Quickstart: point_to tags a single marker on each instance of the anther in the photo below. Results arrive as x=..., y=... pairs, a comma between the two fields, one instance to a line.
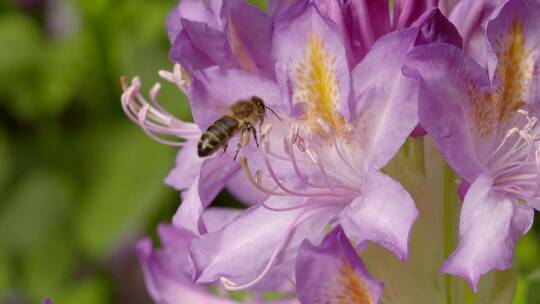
x=294, y=130
x=301, y=144
x=258, y=177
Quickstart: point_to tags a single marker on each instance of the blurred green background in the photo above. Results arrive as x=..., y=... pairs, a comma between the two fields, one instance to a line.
x=79, y=183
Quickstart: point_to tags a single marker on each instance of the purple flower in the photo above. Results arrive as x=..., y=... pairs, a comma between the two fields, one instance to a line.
x=318, y=164
x=333, y=273
x=485, y=124
x=167, y=271
x=47, y=301
x=342, y=116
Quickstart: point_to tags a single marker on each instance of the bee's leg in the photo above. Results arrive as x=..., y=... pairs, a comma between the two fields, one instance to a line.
x=244, y=138
x=224, y=149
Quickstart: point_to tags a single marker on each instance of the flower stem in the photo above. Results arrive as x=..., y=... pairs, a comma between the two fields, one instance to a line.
x=416, y=154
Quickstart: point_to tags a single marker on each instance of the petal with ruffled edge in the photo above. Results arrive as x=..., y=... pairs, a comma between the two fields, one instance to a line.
x=311, y=66
x=513, y=56
x=216, y=217
x=206, y=11
x=489, y=228
x=242, y=249
x=214, y=90
x=188, y=167
x=470, y=17
x=167, y=270
x=250, y=42
x=214, y=174
x=385, y=100
x=199, y=46
x=435, y=27
x=450, y=84
x=384, y=213
x=188, y=215
x=333, y=273
x=406, y=12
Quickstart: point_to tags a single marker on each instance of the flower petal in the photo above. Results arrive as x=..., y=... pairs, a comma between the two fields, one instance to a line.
x=434, y=27
x=250, y=42
x=470, y=17
x=164, y=270
x=406, y=12
x=366, y=21
x=206, y=11
x=384, y=213
x=490, y=226
x=241, y=189
x=333, y=273
x=449, y=83
x=199, y=46
x=534, y=203
x=215, y=218
x=385, y=100
x=188, y=167
x=311, y=65
x=215, y=174
x=188, y=215
x=513, y=57
x=243, y=248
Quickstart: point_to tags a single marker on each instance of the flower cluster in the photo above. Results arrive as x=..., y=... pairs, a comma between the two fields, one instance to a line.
x=344, y=84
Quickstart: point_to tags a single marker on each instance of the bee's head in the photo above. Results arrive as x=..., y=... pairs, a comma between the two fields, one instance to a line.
x=259, y=103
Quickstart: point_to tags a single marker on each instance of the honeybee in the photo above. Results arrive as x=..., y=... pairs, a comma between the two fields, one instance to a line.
x=243, y=116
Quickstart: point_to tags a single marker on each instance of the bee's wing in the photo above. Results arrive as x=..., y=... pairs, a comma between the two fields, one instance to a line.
x=208, y=114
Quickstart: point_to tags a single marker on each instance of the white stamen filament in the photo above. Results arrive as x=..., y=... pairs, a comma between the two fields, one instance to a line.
x=233, y=286
x=516, y=170
x=151, y=116
x=277, y=181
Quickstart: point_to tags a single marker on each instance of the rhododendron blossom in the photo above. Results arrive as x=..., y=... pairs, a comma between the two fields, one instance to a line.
x=344, y=84
x=485, y=123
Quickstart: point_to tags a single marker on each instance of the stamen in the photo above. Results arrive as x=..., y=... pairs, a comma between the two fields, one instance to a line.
x=305, y=205
x=253, y=182
x=279, y=184
x=151, y=117
x=179, y=77
x=341, y=155
x=517, y=170
x=233, y=286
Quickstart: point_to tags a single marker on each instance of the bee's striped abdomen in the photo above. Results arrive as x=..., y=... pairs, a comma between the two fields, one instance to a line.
x=217, y=135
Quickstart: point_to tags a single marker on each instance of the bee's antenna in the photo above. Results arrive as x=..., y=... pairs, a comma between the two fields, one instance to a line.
x=273, y=112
